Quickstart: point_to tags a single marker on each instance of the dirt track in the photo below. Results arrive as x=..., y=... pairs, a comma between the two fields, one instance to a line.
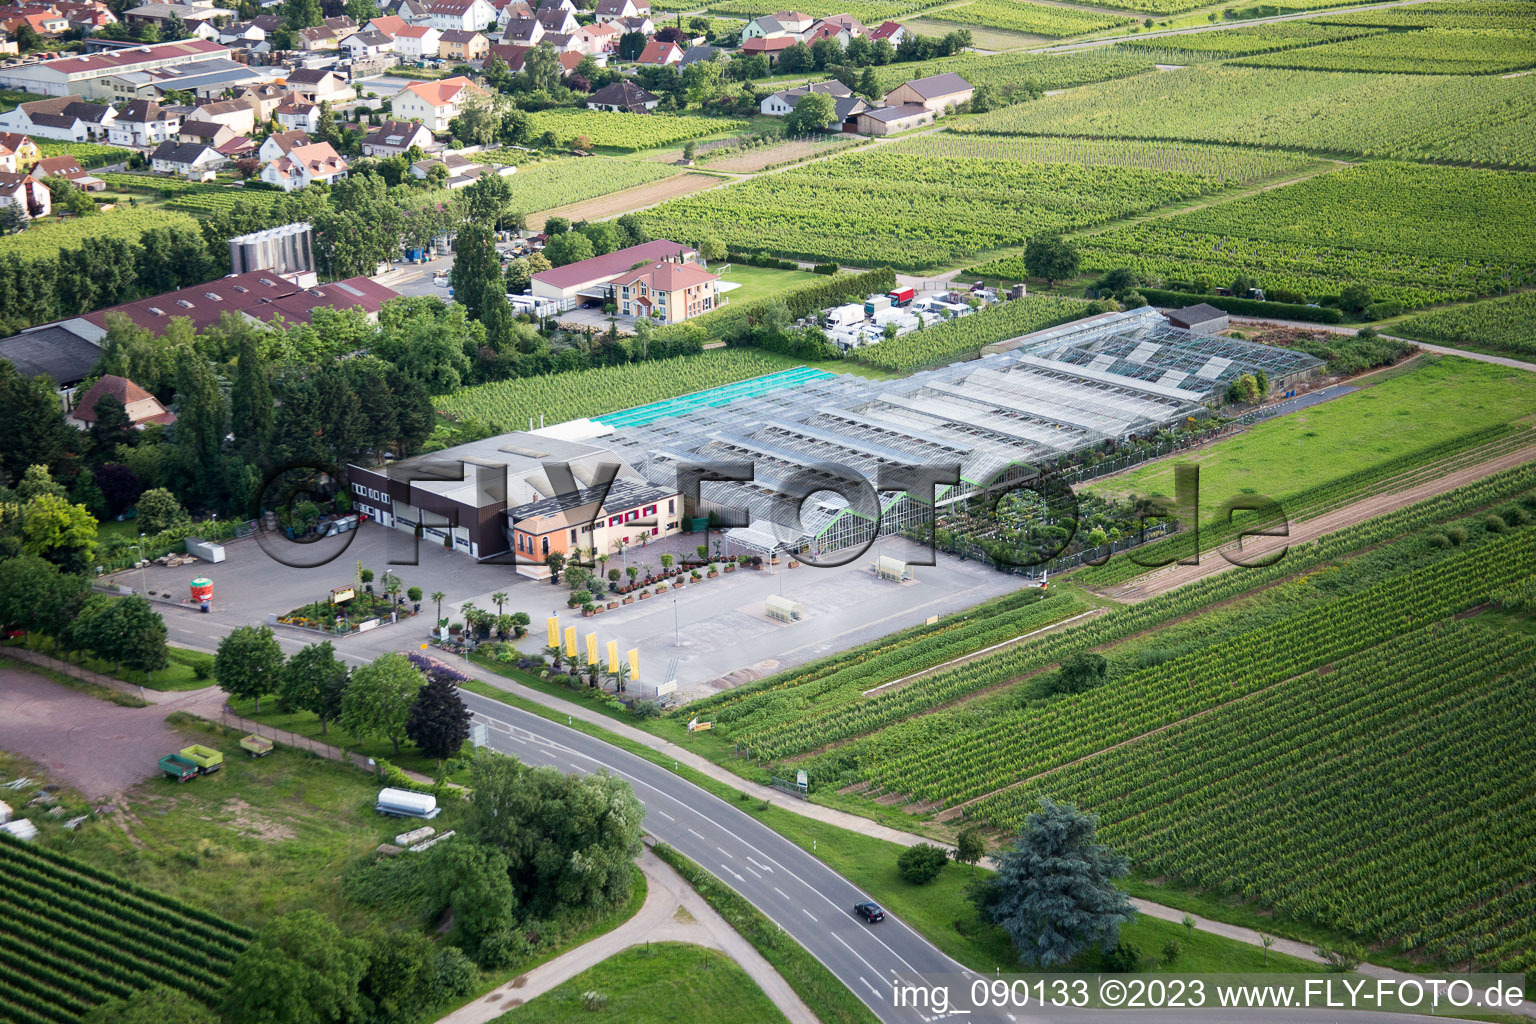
x=629, y=200
x=1163, y=580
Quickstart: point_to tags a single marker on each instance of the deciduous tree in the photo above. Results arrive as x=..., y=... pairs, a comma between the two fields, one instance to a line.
x=314, y=680
x=438, y=722
x=249, y=663
x=299, y=970
x=378, y=700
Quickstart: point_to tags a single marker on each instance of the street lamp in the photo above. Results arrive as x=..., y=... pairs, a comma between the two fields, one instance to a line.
x=676, y=636
x=143, y=584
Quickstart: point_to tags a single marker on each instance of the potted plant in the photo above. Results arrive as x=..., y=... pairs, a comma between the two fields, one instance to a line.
x=693, y=574
x=614, y=575
x=589, y=609
x=520, y=622
x=703, y=550
x=367, y=577
x=578, y=597
x=456, y=629
x=414, y=593
x=666, y=563
x=757, y=562
x=661, y=588
x=630, y=598
x=614, y=604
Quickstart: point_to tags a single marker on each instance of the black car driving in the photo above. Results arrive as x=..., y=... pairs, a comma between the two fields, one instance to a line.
x=870, y=912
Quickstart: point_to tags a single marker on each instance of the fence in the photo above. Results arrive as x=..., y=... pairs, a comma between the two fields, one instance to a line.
x=69, y=668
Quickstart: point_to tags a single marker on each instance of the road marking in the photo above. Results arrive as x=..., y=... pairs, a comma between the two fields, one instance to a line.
x=760, y=867
x=664, y=814
x=734, y=874
x=754, y=874
x=856, y=953
x=697, y=834
x=870, y=987
x=781, y=892
x=808, y=914
x=721, y=849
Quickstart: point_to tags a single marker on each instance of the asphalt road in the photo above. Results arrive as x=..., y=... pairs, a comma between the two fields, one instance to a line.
x=809, y=900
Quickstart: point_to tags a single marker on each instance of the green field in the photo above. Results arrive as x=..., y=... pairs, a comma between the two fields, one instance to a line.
x=1431, y=51
x=656, y=983
x=947, y=209
x=613, y=130
x=1399, y=116
x=1226, y=164
x=1034, y=19
x=1412, y=234
x=763, y=282
x=1045, y=71
x=1252, y=39
x=1494, y=325
x=507, y=405
x=76, y=937
x=1336, y=439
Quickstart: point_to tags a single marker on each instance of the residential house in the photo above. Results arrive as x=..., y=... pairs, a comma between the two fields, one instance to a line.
x=298, y=115
x=828, y=30
x=781, y=103
x=281, y=144
x=434, y=104
x=209, y=133
x=43, y=19
x=393, y=138
x=460, y=170
x=142, y=407
x=201, y=21
x=305, y=165
x=69, y=118
x=506, y=10
x=938, y=93
x=770, y=48
x=556, y=19
x=235, y=113
x=659, y=54
x=666, y=291
x=7, y=159
x=319, y=86
x=341, y=24
x=72, y=75
x=24, y=151
x=891, y=120
x=195, y=161
x=390, y=24
x=557, y=5
x=596, y=40
x=268, y=23
x=238, y=148
x=514, y=56
x=777, y=26
x=611, y=10
x=87, y=18
x=623, y=96
x=242, y=34
x=854, y=26
x=413, y=42
x=701, y=51
x=522, y=32
x=562, y=42
x=640, y=23
x=462, y=45
x=68, y=167
x=317, y=39
x=370, y=42
x=262, y=99
x=415, y=12
x=892, y=32
x=600, y=518
x=21, y=190
x=143, y=123
x=465, y=15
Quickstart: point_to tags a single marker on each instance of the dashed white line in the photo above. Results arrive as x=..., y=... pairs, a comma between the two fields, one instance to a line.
x=781, y=892
x=664, y=814
x=720, y=848
x=808, y=914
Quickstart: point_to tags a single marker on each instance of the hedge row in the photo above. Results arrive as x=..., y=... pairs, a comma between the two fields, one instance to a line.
x=1246, y=307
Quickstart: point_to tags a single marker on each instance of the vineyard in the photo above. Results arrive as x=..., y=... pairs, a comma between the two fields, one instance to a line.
x=1400, y=116
x=75, y=937
x=1226, y=164
x=946, y=210
x=1412, y=234
x=957, y=339
x=870, y=12
x=1431, y=738
x=1013, y=744
x=1507, y=324
x=1252, y=39
x=47, y=240
x=193, y=196
x=614, y=130
x=548, y=185
x=1515, y=14
x=785, y=717
x=508, y=405
x=1426, y=52
x=1035, y=19
x=88, y=154
x=1047, y=71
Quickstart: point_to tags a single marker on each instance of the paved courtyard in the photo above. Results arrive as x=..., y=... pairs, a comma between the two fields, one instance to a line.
x=721, y=637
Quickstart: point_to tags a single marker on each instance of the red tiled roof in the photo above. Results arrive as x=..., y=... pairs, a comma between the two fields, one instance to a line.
x=76, y=63
x=668, y=277
x=250, y=293
x=126, y=392
x=756, y=45
x=440, y=92
x=610, y=265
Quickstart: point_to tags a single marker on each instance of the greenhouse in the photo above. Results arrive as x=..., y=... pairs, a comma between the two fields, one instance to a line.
x=1000, y=419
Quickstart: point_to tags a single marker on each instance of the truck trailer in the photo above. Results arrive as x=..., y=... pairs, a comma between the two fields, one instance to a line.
x=402, y=803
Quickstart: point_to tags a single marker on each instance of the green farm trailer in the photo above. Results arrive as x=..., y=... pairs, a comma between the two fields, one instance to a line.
x=206, y=758
x=178, y=767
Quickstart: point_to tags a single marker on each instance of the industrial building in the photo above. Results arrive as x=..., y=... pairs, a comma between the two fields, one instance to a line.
x=71, y=74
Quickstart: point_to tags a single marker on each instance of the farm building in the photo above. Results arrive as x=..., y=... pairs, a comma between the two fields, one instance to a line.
x=1202, y=318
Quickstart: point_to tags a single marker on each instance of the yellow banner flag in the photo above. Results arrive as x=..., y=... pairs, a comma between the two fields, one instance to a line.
x=613, y=655
x=591, y=648
x=570, y=641
x=554, y=631
x=634, y=664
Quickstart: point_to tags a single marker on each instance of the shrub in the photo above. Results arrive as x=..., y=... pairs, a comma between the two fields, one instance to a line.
x=1123, y=959
x=1341, y=960
x=1494, y=523
x=1457, y=535
x=922, y=863
x=1439, y=540
x=1171, y=951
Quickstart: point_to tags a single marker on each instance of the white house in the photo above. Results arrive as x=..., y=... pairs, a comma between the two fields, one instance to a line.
x=26, y=193
x=892, y=32
x=611, y=10
x=414, y=42
x=434, y=104
x=777, y=26
x=195, y=161
x=298, y=115
x=305, y=165
x=237, y=114
x=318, y=86
x=781, y=103
x=556, y=19
x=370, y=42
x=280, y=145
x=69, y=118
x=143, y=123
x=393, y=138
x=465, y=15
